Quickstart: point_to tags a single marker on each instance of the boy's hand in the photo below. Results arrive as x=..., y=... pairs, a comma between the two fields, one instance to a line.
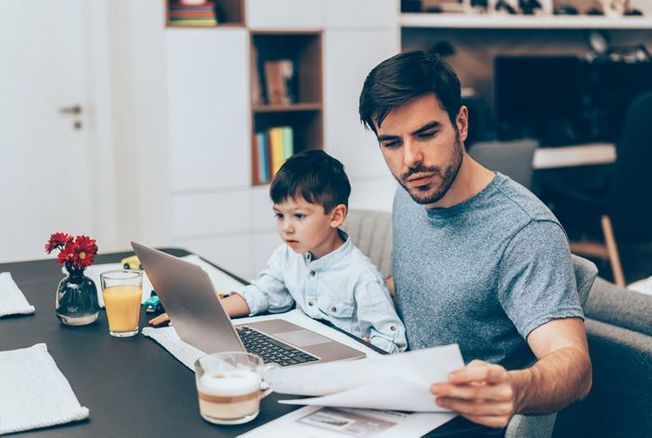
x=159, y=320
x=389, y=281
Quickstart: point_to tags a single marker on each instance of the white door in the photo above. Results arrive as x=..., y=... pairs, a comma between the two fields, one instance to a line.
x=45, y=174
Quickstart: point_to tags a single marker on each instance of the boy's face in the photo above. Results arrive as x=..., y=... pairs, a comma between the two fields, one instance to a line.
x=305, y=227
x=422, y=148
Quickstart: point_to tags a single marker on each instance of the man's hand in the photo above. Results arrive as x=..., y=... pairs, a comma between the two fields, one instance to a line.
x=482, y=392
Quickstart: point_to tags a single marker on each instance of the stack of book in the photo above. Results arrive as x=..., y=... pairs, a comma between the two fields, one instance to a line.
x=271, y=149
x=274, y=83
x=199, y=15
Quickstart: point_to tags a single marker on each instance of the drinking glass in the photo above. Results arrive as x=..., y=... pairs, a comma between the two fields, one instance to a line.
x=122, y=292
x=229, y=387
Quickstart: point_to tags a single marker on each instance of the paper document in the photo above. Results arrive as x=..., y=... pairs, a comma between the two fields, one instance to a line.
x=222, y=282
x=398, y=382
x=318, y=422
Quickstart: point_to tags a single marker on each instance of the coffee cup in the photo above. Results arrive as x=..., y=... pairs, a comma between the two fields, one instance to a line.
x=229, y=387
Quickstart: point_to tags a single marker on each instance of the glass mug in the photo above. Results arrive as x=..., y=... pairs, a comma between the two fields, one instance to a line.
x=122, y=292
x=229, y=387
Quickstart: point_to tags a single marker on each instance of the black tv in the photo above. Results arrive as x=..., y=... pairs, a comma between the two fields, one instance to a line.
x=565, y=100
x=538, y=97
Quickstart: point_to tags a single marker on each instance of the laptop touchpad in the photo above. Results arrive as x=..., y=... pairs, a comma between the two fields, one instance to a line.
x=302, y=338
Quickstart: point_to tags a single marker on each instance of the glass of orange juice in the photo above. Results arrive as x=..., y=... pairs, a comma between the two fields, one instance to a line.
x=122, y=292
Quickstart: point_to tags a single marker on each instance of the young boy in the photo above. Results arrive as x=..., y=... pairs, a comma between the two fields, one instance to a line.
x=317, y=266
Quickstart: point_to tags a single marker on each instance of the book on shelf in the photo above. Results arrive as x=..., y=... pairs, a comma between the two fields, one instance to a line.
x=279, y=81
x=271, y=148
x=200, y=15
x=256, y=87
x=276, y=149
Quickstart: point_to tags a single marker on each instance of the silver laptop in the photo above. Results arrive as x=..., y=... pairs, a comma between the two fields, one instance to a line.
x=193, y=306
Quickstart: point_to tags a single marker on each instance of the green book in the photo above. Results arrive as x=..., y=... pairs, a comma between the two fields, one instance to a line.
x=288, y=142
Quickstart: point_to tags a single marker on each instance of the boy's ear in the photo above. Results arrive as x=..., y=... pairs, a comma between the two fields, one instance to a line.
x=338, y=214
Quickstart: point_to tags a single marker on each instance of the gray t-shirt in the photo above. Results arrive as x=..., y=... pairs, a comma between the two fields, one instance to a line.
x=483, y=273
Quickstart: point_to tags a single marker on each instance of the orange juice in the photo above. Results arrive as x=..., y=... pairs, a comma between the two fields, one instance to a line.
x=122, y=309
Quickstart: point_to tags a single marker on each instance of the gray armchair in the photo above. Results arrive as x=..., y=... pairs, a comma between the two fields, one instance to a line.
x=511, y=158
x=371, y=231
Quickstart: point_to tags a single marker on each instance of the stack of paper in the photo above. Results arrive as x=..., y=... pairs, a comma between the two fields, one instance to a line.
x=400, y=382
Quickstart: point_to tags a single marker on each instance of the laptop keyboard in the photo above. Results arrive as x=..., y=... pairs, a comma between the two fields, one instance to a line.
x=271, y=350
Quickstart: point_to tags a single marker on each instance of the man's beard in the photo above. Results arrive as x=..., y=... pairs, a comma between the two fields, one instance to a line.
x=432, y=194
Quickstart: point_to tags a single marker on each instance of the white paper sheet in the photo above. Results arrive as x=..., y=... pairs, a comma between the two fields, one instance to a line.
x=399, y=382
x=643, y=286
x=222, y=282
x=320, y=422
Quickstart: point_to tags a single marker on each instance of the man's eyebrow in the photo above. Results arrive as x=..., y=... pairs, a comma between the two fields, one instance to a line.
x=388, y=137
x=426, y=127
x=430, y=125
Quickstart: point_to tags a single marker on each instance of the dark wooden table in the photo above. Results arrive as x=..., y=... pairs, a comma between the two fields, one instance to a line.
x=132, y=386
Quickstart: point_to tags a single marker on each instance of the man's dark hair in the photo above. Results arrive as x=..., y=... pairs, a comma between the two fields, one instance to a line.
x=314, y=176
x=403, y=77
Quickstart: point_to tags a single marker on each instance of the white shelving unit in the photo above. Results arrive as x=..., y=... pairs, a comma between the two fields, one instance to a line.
x=469, y=21
x=214, y=210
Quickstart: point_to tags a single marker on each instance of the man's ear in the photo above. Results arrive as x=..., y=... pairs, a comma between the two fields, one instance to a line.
x=462, y=122
x=338, y=214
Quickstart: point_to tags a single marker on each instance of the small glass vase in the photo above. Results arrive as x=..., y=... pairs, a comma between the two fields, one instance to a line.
x=76, y=300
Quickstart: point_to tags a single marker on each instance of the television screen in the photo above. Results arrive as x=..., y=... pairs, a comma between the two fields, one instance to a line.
x=564, y=100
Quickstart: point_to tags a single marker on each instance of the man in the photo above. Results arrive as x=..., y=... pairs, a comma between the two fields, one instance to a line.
x=477, y=259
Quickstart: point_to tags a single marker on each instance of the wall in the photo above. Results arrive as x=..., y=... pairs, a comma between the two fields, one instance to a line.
x=139, y=120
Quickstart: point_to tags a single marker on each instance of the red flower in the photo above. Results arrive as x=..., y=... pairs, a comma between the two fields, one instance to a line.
x=75, y=253
x=57, y=240
x=65, y=254
x=83, y=251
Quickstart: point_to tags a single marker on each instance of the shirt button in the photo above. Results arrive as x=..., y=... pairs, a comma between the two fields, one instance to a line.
x=311, y=303
x=392, y=328
x=333, y=309
x=312, y=273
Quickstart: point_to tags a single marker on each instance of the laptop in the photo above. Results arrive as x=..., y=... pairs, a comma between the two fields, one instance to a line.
x=199, y=319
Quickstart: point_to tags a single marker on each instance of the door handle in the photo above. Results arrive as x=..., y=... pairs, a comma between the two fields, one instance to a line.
x=73, y=110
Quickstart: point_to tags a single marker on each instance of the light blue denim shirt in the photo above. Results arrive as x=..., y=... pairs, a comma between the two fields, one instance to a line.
x=343, y=287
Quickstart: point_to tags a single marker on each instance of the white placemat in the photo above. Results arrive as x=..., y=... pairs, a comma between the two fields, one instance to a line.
x=222, y=282
x=33, y=392
x=187, y=354
x=12, y=300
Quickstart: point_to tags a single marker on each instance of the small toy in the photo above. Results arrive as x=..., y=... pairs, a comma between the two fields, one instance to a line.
x=131, y=263
x=153, y=304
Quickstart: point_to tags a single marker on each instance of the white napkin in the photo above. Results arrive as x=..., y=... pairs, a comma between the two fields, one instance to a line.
x=222, y=282
x=187, y=354
x=12, y=300
x=168, y=338
x=33, y=392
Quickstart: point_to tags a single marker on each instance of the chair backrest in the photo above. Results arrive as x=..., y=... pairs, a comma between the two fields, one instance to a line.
x=513, y=158
x=371, y=231
x=629, y=198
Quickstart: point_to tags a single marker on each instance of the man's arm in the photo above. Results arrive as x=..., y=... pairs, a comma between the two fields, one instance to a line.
x=488, y=394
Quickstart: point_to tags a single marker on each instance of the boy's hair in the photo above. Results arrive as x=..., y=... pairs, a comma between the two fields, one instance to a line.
x=403, y=77
x=314, y=176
